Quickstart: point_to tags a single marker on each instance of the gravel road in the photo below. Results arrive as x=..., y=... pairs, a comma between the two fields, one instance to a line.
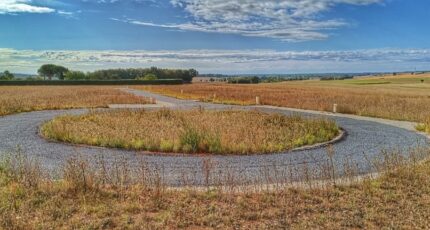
x=365, y=140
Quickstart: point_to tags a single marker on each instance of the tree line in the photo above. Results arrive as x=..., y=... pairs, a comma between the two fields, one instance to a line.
x=50, y=71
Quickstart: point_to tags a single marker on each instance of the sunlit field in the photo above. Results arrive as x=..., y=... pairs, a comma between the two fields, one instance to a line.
x=16, y=99
x=198, y=131
x=90, y=197
x=403, y=97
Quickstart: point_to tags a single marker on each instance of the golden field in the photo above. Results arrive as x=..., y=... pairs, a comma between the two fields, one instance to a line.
x=197, y=131
x=402, y=97
x=16, y=99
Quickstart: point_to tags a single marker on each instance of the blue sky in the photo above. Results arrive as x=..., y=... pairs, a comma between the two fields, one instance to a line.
x=217, y=36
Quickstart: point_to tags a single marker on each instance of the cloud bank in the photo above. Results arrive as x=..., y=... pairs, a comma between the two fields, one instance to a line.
x=22, y=6
x=286, y=20
x=223, y=61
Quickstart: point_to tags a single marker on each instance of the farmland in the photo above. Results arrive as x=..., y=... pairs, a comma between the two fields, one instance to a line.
x=16, y=99
x=402, y=97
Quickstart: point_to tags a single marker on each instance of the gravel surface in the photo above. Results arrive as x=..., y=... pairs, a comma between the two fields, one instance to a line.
x=365, y=139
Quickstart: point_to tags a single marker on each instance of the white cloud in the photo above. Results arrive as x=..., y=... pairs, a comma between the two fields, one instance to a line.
x=224, y=61
x=286, y=20
x=22, y=6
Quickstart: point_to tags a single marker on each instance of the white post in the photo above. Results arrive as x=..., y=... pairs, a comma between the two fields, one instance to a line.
x=257, y=100
x=334, y=108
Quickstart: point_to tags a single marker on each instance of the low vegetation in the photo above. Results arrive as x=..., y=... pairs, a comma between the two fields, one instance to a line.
x=93, y=198
x=425, y=126
x=198, y=131
x=402, y=98
x=16, y=99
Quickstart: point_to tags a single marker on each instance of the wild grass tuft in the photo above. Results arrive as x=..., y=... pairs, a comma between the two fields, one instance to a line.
x=425, y=126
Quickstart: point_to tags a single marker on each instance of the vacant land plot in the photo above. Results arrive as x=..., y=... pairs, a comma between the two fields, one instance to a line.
x=399, y=97
x=16, y=99
x=198, y=131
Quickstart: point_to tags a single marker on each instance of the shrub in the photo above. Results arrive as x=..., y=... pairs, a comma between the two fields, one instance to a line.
x=190, y=140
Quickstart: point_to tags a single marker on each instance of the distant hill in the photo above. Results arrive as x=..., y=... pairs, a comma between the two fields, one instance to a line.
x=23, y=75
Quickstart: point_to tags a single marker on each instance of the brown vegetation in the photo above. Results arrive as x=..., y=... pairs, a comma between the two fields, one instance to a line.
x=91, y=199
x=16, y=99
x=392, y=98
x=197, y=131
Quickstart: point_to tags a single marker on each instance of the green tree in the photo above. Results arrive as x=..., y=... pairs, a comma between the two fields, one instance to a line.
x=75, y=75
x=7, y=76
x=50, y=71
x=60, y=71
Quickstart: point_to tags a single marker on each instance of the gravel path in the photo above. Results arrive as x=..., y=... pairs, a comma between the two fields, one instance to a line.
x=366, y=138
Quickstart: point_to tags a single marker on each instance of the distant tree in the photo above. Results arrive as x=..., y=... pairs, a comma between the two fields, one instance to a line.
x=6, y=75
x=50, y=71
x=60, y=71
x=113, y=74
x=75, y=75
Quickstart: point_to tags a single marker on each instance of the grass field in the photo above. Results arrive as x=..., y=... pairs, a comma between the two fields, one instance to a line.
x=109, y=197
x=394, y=97
x=16, y=99
x=198, y=131
x=85, y=199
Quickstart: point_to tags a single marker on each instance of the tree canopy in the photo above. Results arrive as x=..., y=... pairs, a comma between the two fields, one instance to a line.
x=115, y=74
x=75, y=75
x=50, y=71
x=153, y=73
x=6, y=75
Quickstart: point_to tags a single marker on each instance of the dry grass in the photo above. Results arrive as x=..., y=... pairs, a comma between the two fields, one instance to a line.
x=197, y=131
x=424, y=126
x=399, y=98
x=16, y=99
x=397, y=200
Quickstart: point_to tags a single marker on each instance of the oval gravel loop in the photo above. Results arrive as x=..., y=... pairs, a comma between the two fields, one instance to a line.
x=365, y=140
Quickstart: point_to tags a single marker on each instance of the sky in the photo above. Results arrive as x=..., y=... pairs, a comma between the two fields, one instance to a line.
x=217, y=36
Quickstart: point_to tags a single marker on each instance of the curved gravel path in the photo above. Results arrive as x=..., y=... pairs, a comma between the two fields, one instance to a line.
x=366, y=138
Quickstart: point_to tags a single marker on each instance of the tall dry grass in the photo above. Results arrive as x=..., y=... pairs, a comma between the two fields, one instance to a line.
x=16, y=99
x=105, y=195
x=399, y=102
x=196, y=131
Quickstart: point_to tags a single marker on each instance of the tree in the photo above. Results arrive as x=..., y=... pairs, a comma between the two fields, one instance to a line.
x=50, y=70
x=60, y=71
x=7, y=76
x=75, y=75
